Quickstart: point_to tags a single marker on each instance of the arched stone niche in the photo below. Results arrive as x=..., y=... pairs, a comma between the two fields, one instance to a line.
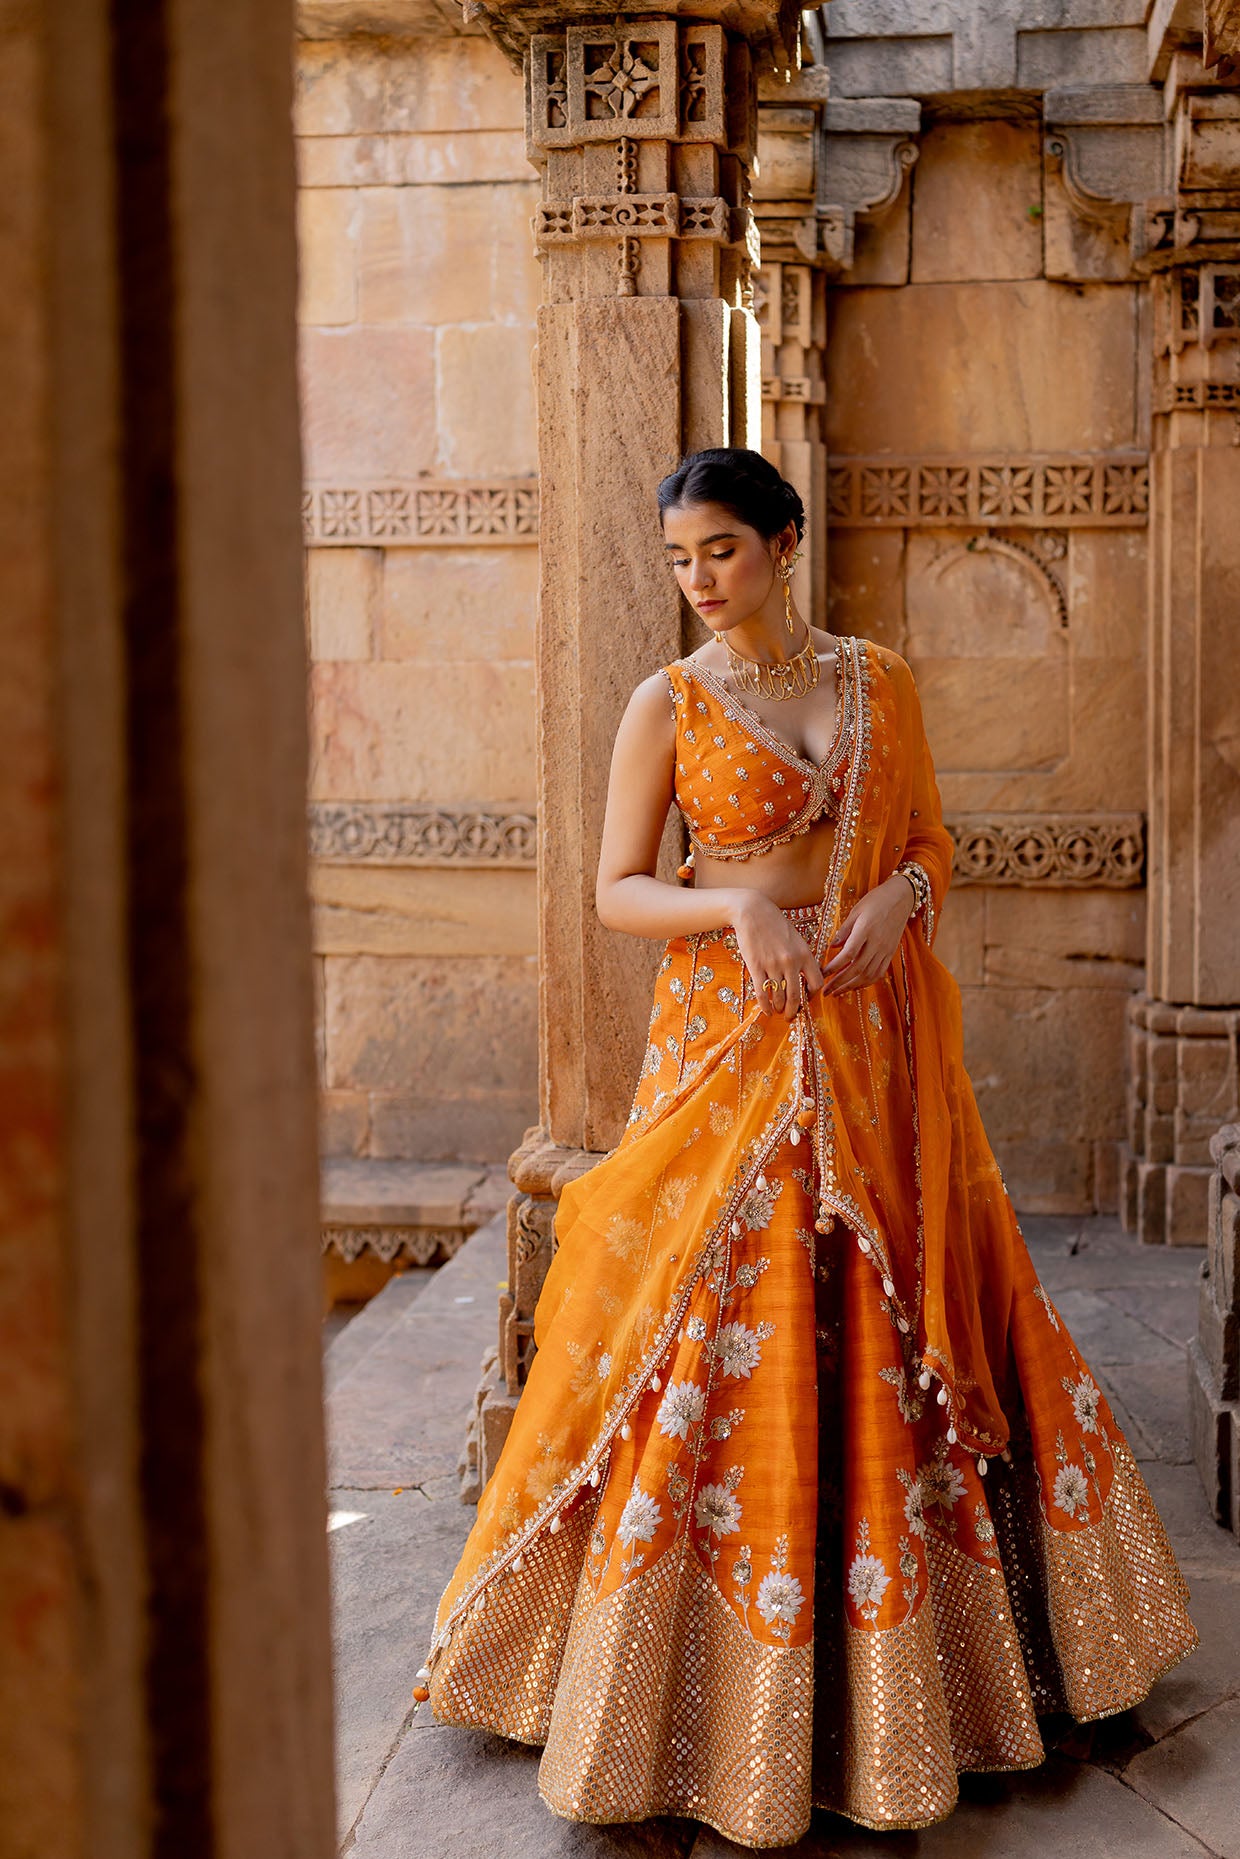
x=987, y=637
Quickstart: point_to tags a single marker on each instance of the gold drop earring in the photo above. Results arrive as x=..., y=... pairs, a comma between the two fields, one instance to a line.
x=785, y=571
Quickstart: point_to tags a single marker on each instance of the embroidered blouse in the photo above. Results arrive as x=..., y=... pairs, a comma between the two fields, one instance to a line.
x=740, y=788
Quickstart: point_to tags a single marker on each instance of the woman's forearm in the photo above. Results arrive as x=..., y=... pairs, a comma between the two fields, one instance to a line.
x=643, y=906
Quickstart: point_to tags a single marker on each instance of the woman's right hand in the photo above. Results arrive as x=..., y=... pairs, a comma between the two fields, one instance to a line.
x=773, y=951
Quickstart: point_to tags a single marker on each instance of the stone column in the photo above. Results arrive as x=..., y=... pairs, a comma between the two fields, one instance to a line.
x=823, y=169
x=790, y=301
x=165, y=1680
x=1183, y=1079
x=643, y=132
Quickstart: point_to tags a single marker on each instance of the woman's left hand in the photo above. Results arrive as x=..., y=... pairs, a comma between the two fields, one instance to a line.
x=867, y=939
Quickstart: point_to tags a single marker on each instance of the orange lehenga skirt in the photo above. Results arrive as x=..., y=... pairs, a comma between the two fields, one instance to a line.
x=767, y=1533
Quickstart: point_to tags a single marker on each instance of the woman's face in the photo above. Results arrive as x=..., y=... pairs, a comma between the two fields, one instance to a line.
x=724, y=567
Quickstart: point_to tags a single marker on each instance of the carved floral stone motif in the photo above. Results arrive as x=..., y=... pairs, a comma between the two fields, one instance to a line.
x=422, y=513
x=1094, y=491
x=400, y=834
x=1105, y=852
x=647, y=79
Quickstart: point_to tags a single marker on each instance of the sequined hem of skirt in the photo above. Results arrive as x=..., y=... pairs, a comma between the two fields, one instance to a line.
x=996, y=1768
x=898, y=1826
x=942, y=1683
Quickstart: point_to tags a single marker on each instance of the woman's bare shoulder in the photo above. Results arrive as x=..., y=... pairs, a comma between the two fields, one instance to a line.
x=651, y=709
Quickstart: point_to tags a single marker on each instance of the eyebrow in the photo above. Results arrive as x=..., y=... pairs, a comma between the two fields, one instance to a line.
x=723, y=535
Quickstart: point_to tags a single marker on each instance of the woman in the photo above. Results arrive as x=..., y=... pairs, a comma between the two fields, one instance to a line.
x=810, y=1498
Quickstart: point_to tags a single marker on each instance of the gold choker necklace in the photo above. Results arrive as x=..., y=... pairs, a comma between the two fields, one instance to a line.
x=794, y=678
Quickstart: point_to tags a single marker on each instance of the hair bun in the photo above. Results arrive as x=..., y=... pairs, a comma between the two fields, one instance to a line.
x=743, y=482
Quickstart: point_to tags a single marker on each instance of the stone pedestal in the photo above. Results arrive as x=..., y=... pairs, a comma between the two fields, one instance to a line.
x=1182, y=1080
x=1214, y=1355
x=642, y=130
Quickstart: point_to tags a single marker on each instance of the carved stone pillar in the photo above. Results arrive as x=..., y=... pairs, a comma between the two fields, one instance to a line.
x=790, y=302
x=1183, y=1078
x=821, y=169
x=643, y=132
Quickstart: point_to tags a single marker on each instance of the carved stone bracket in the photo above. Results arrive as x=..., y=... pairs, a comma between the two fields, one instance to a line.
x=419, y=1245
x=1111, y=215
x=1200, y=222
x=867, y=147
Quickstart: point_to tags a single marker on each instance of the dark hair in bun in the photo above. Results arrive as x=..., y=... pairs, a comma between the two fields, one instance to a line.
x=741, y=481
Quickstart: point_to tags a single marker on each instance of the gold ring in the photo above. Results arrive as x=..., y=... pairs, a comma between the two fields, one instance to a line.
x=768, y=987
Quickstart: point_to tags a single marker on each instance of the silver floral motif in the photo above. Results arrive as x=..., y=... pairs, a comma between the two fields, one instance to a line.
x=868, y=1581
x=1086, y=1397
x=640, y=1518
x=779, y=1597
x=758, y=1207
x=736, y=1349
x=1071, y=1490
x=717, y=1510
x=983, y=1528
x=681, y=1408
x=941, y=1483
x=914, y=1502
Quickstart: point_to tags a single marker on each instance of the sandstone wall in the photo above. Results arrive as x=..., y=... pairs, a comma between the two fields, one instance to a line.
x=987, y=423
x=418, y=294
x=963, y=383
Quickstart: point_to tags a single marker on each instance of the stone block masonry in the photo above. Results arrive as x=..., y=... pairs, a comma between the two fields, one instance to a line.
x=420, y=516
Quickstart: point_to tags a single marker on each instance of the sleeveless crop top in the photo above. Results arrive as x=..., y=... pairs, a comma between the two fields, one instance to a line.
x=740, y=788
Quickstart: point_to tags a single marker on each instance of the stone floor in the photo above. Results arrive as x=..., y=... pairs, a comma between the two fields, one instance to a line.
x=1157, y=1782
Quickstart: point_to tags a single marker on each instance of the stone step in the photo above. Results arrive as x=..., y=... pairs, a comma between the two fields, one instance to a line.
x=417, y=1213
x=353, y=1342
